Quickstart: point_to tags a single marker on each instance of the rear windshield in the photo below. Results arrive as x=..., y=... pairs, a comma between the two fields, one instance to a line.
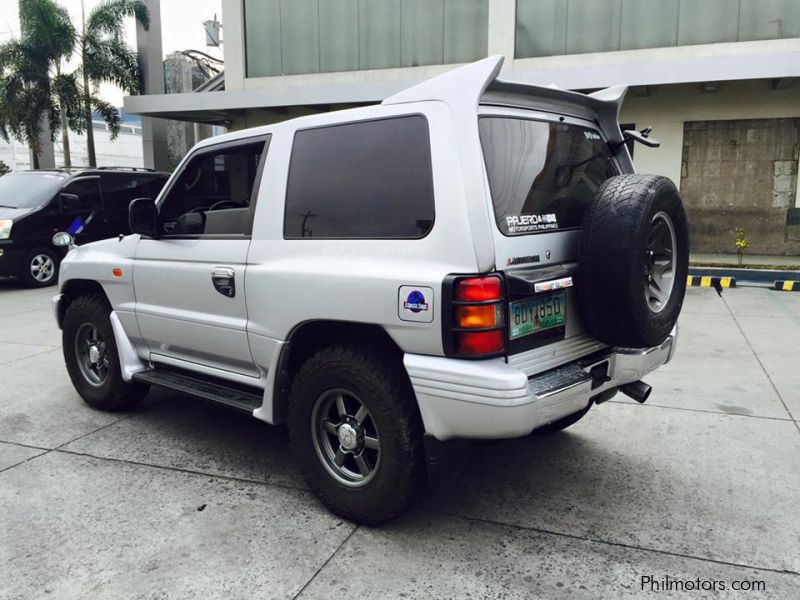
x=542, y=175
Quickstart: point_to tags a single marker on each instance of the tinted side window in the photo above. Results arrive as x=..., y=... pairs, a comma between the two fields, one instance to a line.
x=119, y=190
x=213, y=191
x=88, y=192
x=361, y=180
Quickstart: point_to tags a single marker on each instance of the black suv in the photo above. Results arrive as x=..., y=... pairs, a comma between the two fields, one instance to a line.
x=90, y=204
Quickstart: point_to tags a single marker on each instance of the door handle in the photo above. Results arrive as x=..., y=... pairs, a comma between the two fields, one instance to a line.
x=224, y=279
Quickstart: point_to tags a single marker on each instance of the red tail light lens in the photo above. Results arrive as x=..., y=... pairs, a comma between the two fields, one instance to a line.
x=477, y=323
x=478, y=289
x=480, y=342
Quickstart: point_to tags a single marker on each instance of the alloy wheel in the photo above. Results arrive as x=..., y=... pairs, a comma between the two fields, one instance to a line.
x=345, y=437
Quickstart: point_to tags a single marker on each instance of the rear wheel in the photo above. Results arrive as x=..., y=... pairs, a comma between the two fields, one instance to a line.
x=40, y=268
x=356, y=430
x=90, y=353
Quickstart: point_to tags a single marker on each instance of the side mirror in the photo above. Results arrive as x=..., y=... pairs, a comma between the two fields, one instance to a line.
x=62, y=238
x=70, y=203
x=143, y=218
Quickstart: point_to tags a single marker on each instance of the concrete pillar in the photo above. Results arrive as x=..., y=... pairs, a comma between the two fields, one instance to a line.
x=502, y=30
x=154, y=131
x=178, y=77
x=233, y=36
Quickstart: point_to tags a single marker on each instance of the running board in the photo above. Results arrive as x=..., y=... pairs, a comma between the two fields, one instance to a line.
x=237, y=397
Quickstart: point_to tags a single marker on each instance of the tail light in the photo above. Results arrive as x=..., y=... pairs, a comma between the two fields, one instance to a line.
x=476, y=324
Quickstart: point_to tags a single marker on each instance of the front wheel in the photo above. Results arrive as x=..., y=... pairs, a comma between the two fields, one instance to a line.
x=90, y=353
x=40, y=268
x=356, y=430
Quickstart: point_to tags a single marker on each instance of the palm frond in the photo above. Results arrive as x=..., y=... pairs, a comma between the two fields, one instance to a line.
x=114, y=62
x=110, y=115
x=108, y=18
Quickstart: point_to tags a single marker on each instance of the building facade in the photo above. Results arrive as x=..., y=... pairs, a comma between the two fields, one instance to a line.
x=717, y=80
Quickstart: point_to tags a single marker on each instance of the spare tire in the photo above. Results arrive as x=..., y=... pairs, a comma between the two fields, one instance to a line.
x=632, y=261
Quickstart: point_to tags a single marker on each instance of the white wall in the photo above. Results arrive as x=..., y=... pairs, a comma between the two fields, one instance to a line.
x=667, y=108
x=125, y=151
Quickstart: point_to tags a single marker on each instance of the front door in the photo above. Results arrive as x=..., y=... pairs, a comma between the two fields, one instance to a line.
x=190, y=283
x=81, y=209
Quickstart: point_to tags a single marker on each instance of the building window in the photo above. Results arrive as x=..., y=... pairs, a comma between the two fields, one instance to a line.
x=370, y=179
x=285, y=37
x=554, y=27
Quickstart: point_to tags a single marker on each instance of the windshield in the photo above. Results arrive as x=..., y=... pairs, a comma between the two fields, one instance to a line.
x=542, y=175
x=28, y=190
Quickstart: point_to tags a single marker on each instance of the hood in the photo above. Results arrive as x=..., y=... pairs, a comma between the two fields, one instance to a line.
x=15, y=214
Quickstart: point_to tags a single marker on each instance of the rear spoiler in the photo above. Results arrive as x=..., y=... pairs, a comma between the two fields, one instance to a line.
x=465, y=88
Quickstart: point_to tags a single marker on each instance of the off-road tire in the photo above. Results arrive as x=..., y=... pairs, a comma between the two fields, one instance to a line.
x=113, y=394
x=382, y=385
x=25, y=274
x=612, y=261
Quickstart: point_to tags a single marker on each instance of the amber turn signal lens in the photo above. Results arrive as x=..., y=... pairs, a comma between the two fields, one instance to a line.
x=117, y=272
x=479, y=316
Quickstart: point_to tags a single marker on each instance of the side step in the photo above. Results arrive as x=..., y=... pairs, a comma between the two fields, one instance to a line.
x=558, y=379
x=239, y=397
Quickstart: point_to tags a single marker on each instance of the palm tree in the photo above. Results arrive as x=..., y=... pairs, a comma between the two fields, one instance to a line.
x=105, y=57
x=33, y=91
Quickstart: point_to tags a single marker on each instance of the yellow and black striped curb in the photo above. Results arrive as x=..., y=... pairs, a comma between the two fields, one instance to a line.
x=708, y=281
x=787, y=286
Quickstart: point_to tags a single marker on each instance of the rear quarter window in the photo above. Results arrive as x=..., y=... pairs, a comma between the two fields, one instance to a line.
x=363, y=180
x=542, y=175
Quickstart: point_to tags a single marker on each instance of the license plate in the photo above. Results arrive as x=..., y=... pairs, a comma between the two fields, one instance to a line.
x=537, y=314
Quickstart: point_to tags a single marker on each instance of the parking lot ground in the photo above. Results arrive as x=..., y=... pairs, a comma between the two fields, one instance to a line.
x=179, y=499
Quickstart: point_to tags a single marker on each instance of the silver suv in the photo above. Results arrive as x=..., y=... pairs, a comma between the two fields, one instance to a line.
x=470, y=259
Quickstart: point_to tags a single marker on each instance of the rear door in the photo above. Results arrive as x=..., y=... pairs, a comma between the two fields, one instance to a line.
x=543, y=171
x=190, y=283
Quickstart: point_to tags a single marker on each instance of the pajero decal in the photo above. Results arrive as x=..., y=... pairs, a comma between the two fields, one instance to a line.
x=529, y=223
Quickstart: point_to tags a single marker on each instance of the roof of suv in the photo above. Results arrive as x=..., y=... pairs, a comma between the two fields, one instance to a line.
x=91, y=170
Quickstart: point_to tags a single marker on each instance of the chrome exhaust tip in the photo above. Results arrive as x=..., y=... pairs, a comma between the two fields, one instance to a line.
x=638, y=390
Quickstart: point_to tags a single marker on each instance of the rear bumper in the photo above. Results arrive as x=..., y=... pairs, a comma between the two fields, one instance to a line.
x=493, y=400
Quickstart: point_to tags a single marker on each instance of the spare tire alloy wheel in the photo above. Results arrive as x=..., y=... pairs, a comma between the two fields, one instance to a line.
x=660, y=262
x=633, y=260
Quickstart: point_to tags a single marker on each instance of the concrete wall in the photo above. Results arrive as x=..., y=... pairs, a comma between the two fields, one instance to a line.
x=671, y=110
x=740, y=174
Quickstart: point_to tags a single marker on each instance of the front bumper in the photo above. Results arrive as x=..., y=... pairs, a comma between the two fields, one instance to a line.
x=491, y=399
x=12, y=257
